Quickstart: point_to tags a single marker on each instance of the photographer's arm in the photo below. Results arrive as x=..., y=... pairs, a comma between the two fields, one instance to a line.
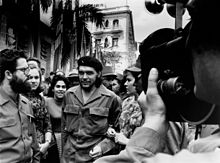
x=148, y=139
x=154, y=127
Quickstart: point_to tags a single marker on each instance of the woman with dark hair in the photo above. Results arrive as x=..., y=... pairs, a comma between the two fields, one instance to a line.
x=42, y=117
x=56, y=92
x=131, y=114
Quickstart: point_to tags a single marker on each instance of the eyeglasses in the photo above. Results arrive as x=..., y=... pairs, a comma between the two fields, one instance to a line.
x=25, y=70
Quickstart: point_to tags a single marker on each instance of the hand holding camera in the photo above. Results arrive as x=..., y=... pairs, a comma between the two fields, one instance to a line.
x=152, y=105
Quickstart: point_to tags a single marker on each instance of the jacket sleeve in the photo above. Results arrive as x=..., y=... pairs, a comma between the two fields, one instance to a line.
x=108, y=144
x=63, y=124
x=35, y=147
x=47, y=121
x=114, y=113
x=144, y=143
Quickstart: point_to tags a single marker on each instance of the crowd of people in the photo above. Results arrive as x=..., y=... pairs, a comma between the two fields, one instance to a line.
x=97, y=115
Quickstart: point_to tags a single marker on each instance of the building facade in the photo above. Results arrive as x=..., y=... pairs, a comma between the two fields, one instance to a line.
x=114, y=42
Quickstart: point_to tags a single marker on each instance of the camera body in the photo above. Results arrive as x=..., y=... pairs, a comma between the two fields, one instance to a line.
x=166, y=52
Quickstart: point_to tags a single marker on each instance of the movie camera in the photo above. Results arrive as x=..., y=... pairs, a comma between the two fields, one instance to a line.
x=165, y=50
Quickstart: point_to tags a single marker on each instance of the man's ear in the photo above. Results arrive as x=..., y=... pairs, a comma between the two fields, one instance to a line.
x=8, y=75
x=100, y=74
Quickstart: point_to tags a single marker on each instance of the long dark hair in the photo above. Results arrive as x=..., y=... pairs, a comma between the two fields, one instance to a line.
x=137, y=82
x=54, y=81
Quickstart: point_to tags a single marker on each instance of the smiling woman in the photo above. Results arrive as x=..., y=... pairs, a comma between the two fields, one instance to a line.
x=54, y=102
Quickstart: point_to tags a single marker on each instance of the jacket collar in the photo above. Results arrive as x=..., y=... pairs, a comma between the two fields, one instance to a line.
x=3, y=96
x=100, y=91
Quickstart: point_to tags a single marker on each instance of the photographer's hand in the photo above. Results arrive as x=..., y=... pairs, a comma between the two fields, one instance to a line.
x=153, y=107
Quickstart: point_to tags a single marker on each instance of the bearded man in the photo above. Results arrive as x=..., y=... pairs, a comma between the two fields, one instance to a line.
x=17, y=130
x=90, y=114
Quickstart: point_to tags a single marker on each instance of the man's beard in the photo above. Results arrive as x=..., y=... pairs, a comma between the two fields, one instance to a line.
x=19, y=86
x=88, y=89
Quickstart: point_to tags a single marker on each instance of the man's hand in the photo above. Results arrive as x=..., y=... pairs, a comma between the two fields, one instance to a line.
x=44, y=147
x=95, y=152
x=153, y=107
x=121, y=138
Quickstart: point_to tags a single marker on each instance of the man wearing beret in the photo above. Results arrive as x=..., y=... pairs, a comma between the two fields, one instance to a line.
x=89, y=115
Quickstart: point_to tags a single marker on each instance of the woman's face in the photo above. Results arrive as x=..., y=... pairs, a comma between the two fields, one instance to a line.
x=59, y=89
x=34, y=78
x=129, y=83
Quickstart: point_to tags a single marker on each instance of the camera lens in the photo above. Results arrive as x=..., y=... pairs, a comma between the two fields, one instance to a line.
x=173, y=86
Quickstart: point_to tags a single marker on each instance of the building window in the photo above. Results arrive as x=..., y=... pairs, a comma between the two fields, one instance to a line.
x=106, y=44
x=97, y=41
x=106, y=24
x=115, y=23
x=114, y=41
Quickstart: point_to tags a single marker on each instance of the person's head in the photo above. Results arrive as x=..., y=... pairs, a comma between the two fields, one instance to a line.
x=132, y=76
x=116, y=84
x=90, y=71
x=73, y=77
x=52, y=74
x=108, y=76
x=14, y=70
x=34, y=62
x=42, y=71
x=203, y=44
x=59, y=72
x=35, y=80
x=58, y=87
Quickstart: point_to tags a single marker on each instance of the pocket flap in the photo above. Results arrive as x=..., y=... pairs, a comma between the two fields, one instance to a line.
x=72, y=109
x=7, y=122
x=101, y=111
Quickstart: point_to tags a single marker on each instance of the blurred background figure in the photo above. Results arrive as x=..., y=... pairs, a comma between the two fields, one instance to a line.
x=54, y=102
x=108, y=76
x=42, y=117
x=43, y=74
x=49, y=78
x=117, y=86
x=73, y=77
x=47, y=82
x=34, y=62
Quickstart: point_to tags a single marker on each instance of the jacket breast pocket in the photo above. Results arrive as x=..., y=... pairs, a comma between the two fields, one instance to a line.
x=8, y=129
x=99, y=119
x=71, y=113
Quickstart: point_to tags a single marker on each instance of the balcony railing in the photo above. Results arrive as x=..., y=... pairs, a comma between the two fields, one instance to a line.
x=115, y=29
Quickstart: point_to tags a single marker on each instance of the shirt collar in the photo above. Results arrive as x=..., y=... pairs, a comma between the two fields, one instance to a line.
x=101, y=90
x=3, y=96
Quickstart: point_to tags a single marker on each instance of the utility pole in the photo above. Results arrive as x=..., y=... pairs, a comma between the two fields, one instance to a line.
x=179, y=13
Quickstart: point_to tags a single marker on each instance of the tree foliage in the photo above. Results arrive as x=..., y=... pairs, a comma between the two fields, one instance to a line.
x=75, y=27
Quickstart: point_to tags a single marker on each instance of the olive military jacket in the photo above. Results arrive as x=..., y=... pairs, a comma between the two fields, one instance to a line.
x=84, y=125
x=17, y=131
